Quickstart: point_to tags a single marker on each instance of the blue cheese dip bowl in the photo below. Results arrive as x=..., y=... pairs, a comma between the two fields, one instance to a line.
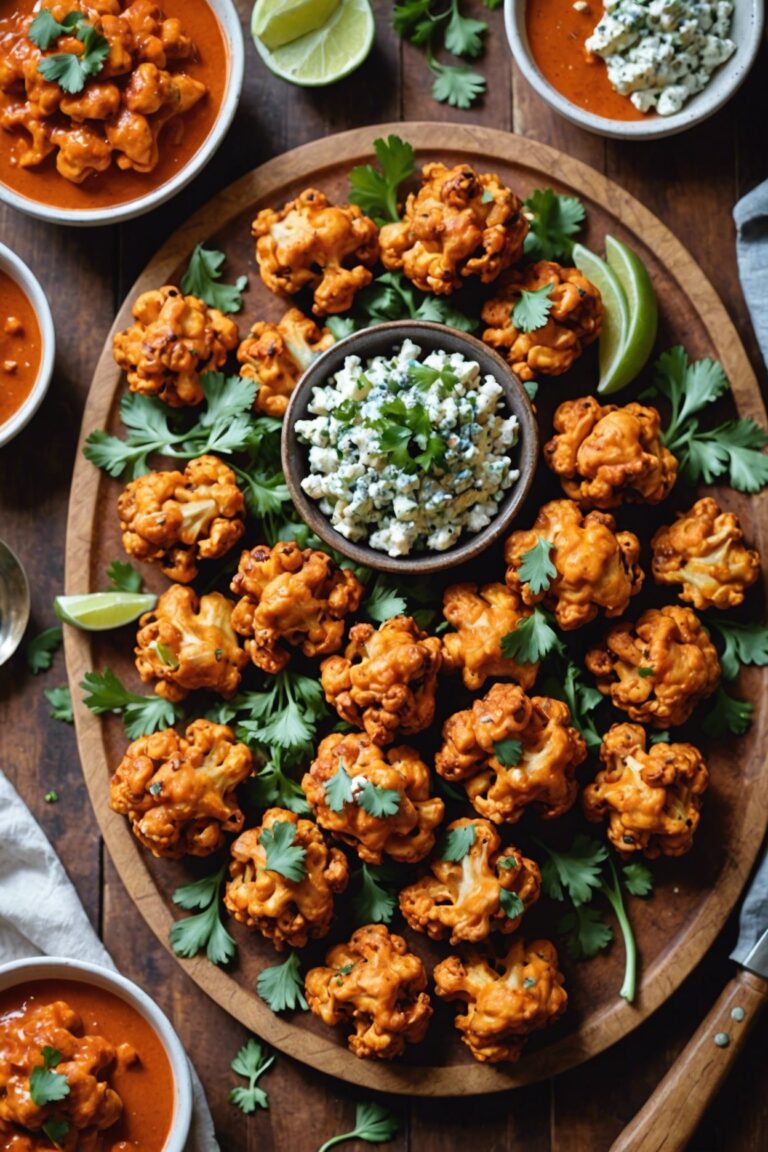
x=408, y=438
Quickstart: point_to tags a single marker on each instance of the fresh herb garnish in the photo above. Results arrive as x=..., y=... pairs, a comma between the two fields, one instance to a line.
x=373, y=1123
x=60, y=700
x=536, y=569
x=553, y=222
x=56, y=1130
x=202, y=279
x=204, y=931
x=511, y=904
x=582, y=699
x=142, y=715
x=123, y=577
x=251, y=1062
x=744, y=644
x=383, y=601
x=285, y=714
x=376, y=191
x=45, y=28
x=508, y=752
x=338, y=789
x=51, y=797
x=392, y=297
x=431, y=24
x=281, y=986
x=40, y=650
x=532, y=639
x=45, y=1085
x=375, y=901
x=68, y=69
x=406, y=435
x=456, y=843
x=727, y=716
x=532, y=309
x=283, y=856
x=273, y=787
x=378, y=802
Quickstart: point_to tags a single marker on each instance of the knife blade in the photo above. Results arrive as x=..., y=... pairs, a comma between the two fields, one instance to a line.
x=751, y=949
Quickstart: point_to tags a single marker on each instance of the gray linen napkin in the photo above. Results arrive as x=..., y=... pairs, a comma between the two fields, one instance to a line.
x=41, y=914
x=751, y=216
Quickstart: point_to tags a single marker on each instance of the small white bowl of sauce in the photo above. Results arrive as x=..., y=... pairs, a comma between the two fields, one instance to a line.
x=27, y=344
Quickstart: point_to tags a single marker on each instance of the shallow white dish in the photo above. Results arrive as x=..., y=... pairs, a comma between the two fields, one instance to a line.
x=20, y=273
x=746, y=32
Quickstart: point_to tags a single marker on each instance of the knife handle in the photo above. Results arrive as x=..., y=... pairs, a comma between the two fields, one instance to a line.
x=669, y=1118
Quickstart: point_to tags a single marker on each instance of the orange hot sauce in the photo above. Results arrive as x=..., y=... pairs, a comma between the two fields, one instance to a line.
x=20, y=347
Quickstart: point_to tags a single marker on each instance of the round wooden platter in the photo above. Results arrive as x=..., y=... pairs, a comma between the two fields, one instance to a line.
x=693, y=895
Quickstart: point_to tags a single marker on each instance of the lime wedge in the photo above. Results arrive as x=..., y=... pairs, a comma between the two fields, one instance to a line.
x=98, y=611
x=615, y=318
x=328, y=53
x=643, y=308
x=278, y=22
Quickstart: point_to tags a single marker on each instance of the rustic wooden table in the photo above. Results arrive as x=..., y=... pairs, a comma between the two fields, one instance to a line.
x=691, y=182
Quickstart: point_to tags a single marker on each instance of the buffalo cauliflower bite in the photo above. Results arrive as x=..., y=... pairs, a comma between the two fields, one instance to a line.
x=386, y=680
x=177, y=518
x=174, y=340
x=703, y=552
x=482, y=617
x=573, y=322
x=459, y=224
x=291, y=598
x=596, y=567
x=466, y=898
x=179, y=791
x=606, y=456
x=652, y=799
x=275, y=355
x=658, y=669
x=310, y=242
x=407, y=832
x=377, y=985
x=187, y=642
x=501, y=781
x=507, y=998
x=283, y=910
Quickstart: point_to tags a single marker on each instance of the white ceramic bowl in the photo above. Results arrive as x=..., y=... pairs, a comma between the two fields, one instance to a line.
x=232, y=32
x=23, y=972
x=18, y=271
x=746, y=32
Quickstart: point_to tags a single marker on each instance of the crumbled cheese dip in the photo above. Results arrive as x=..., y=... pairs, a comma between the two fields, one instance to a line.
x=409, y=453
x=660, y=52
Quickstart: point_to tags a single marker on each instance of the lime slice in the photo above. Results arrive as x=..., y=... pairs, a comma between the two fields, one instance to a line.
x=98, y=611
x=278, y=22
x=613, y=335
x=328, y=53
x=643, y=308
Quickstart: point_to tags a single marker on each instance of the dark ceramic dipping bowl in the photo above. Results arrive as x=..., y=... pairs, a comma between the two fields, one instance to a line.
x=382, y=340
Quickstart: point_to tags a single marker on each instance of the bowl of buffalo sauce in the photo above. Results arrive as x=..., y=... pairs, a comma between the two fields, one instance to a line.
x=27, y=344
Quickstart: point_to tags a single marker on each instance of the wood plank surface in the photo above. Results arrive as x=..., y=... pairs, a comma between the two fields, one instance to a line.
x=691, y=182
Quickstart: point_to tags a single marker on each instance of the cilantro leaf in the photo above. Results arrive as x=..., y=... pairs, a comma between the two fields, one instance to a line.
x=392, y=297
x=532, y=309
x=45, y=1085
x=283, y=856
x=202, y=276
x=60, y=701
x=142, y=715
x=744, y=644
x=456, y=843
x=727, y=715
x=44, y=29
x=376, y=191
x=383, y=601
x=536, y=569
x=581, y=699
x=375, y=902
x=508, y=752
x=373, y=1123
x=66, y=69
x=272, y=787
x=281, y=986
x=576, y=871
x=554, y=220
x=378, y=802
x=586, y=932
x=124, y=577
x=286, y=714
x=56, y=1130
x=463, y=35
x=511, y=904
x=40, y=650
x=251, y=1062
x=455, y=84
x=688, y=387
x=532, y=639
x=204, y=931
x=638, y=879
x=338, y=789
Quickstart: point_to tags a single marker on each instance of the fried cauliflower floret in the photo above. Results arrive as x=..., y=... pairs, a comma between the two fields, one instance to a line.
x=275, y=355
x=87, y=1060
x=486, y=891
x=187, y=642
x=386, y=680
x=285, y=910
x=703, y=552
x=652, y=799
x=596, y=567
x=507, y=998
x=375, y=983
x=482, y=617
x=313, y=243
x=658, y=669
x=606, y=456
x=174, y=340
x=459, y=224
x=502, y=780
x=291, y=598
x=178, y=518
x=179, y=791
x=351, y=779
x=573, y=322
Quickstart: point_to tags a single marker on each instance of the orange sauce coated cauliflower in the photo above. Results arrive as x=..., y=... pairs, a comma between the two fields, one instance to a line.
x=501, y=781
x=507, y=998
x=658, y=669
x=375, y=983
x=275, y=355
x=573, y=322
x=703, y=552
x=177, y=518
x=179, y=791
x=466, y=898
x=652, y=799
x=386, y=680
x=311, y=243
x=284, y=910
x=606, y=456
x=459, y=224
x=174, y=340
x=291, y=598
x=482, y=616
x=407, y=833
x=597, y=568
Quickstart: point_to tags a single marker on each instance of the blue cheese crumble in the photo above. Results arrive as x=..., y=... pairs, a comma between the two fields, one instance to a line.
x=660, y=52
x=408, y=453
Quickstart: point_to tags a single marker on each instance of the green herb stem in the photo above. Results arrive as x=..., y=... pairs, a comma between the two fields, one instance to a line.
x=612, y=893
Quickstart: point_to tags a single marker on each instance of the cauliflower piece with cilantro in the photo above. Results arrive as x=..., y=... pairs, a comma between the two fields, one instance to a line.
x=476, y=887
x=482, y=617
x=375, y=984
x=507, y=997
x=377, y=802
x=275, y=355
x=178, y=518
x=652, y=799
x=179, y=791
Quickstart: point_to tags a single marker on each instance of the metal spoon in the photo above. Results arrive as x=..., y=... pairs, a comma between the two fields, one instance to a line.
x=14, y=602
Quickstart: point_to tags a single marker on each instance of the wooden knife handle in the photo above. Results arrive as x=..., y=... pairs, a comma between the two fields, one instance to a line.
x=669, y=1118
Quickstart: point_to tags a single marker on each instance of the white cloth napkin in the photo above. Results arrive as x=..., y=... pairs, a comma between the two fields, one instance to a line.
x=41, y=914
x=751, y=217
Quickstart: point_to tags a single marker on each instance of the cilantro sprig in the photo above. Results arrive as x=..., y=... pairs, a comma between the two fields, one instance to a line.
x=727, y=716
x=282, y=855
x=373, y=1123
x=392, y=297
x=69, y=70
x=60, y=700
x=536, y=569
x=46, y=1085
x=273, y=786
x=142, y=715
x=376, y=192
x=532, y=309
x=123, y=577
x=375, y=900
x=406, y=436
x=454, y=845
x=532, y=639
x=202, y=278
x=252, y=1061
x=432, y=25
x=553, y=222
x=743, y=644
x=284, y=714
x=204, y=931
x=508, y=752
x=281, y=985
x=41, y=649
x=567, y=684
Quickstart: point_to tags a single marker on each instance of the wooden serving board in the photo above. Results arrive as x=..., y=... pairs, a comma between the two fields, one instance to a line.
x=693, y=895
